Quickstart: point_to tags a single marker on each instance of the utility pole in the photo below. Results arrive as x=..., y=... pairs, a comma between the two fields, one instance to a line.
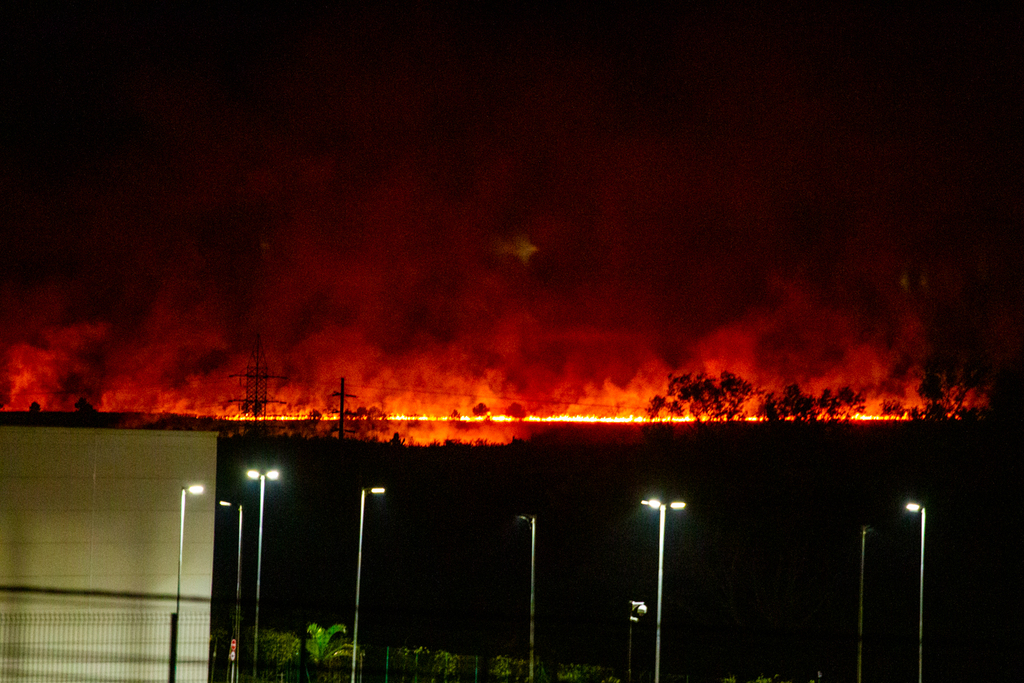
x=860, y=606
x=341, y=409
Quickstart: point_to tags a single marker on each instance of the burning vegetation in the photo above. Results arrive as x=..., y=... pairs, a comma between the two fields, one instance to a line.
x=946, y=391
x=483, y=214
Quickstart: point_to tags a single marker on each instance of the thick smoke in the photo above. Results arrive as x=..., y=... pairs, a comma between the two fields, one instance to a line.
x=452, y=206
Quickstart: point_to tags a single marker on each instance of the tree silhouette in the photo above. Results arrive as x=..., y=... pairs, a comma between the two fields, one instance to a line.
x=517, y=411
x=703, y=397
x=842, y=405
x=953, y=389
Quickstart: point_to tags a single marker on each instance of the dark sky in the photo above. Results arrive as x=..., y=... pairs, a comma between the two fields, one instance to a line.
x=493, y=199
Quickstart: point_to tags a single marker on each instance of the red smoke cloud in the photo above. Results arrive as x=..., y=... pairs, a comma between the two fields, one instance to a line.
x=447, y=208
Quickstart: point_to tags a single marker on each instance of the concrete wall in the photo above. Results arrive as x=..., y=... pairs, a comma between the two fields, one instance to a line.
x=90, y=522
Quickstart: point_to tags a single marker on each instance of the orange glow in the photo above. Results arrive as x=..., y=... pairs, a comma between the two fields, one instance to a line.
x=439, y=390
x=529, y=419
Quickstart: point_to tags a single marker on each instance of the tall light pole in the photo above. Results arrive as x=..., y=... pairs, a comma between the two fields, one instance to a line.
x=262, y=476
x=658, y=505
x=636, y=610
x=194, y=489
x=915, y=507
x=532, y=519
x=359, y=571
x=860, y=605
x=236, y=632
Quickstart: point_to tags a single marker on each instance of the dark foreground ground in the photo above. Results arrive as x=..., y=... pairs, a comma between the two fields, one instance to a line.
x=761, y=568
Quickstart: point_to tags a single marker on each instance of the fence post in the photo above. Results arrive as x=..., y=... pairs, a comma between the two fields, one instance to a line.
x=174, y=648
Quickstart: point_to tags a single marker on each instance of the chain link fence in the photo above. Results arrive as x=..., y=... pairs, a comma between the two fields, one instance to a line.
x=44, y=647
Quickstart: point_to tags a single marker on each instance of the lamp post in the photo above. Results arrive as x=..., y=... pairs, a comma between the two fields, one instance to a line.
x=658, y=505
x=194, y=489
x=915, y=507
x=860, y=605
x=236, y=632
x=636, y=610
x=359, y=571
x=532, y=519
x=262, y=476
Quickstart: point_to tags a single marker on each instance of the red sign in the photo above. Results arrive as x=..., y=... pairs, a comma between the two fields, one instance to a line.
x=231, y=655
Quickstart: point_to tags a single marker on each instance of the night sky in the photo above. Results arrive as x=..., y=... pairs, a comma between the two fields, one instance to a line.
x=517, y=200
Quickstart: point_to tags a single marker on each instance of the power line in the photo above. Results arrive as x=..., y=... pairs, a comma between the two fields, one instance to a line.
x=488, y=398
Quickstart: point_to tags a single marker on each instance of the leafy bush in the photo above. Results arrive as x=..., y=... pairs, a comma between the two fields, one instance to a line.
x=760, y=679
x=585, y=673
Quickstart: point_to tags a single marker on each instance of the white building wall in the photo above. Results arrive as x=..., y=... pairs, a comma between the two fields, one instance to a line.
x=90, y=522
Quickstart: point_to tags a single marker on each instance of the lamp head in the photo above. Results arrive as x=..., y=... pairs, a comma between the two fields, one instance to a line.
x=653, y=502
x=273, y=475
x=377, y=489
x=253, y=474
x=913, y=507
x=195, y=489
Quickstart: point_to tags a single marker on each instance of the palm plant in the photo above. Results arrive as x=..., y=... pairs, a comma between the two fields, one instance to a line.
x=325, y=644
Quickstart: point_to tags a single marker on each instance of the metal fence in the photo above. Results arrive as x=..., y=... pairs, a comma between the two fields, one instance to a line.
x=101, y=646
x=377, y=664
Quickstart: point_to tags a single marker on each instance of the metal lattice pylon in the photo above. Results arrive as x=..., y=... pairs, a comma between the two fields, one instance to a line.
x=254, y=406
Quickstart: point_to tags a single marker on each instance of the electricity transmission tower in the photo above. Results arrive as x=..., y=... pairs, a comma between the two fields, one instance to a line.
x=253, y=407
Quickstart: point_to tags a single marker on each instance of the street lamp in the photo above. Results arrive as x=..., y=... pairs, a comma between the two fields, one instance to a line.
x=658, y=505
x=236, y=633
x=359, y=571
x=194, y=489
x=915, y=507
x=262, y=476
x=532, y=519
x=860, y=606
x=636, y=610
